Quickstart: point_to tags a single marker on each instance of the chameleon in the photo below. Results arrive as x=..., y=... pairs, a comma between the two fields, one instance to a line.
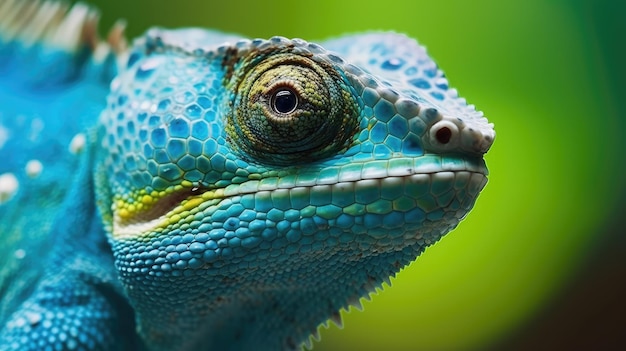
x=198, y=190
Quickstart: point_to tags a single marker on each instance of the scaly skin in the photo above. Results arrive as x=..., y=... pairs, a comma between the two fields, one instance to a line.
x=231, y=194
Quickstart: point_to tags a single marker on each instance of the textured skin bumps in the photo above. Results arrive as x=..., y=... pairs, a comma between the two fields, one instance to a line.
x=213, y=181
x=237, y=194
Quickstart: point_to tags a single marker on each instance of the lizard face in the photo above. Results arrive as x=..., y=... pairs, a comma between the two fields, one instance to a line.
x=278, y=177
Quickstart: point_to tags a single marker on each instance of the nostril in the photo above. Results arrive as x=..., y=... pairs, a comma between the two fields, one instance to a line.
x=443, y=135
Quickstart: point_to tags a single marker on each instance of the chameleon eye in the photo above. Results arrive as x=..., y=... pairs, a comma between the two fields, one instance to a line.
x=289, y=109
x=284, y=101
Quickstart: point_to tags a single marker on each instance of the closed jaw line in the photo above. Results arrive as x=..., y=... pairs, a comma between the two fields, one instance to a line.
x=426, y=178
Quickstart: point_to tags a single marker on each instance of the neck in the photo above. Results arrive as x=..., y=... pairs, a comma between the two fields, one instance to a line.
x=249, y=313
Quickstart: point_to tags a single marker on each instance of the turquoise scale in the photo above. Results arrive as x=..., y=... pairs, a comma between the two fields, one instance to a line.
x=212, y=216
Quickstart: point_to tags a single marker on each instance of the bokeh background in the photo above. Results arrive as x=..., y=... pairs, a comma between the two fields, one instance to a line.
x=539, y=262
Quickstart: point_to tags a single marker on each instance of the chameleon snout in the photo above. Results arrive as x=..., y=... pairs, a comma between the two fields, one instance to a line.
x=449, y=134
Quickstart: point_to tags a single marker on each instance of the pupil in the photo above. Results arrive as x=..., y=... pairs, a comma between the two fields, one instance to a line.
x=285, y=101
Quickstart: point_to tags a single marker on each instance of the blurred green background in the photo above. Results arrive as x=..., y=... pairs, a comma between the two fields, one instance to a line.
x=537, y=264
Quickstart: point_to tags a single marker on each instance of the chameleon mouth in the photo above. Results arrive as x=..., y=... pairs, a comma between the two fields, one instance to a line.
x=168, y=208
x=167, y=204
x=429, y=186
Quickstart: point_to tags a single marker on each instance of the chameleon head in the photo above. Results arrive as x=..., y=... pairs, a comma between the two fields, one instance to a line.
x=263, y=173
